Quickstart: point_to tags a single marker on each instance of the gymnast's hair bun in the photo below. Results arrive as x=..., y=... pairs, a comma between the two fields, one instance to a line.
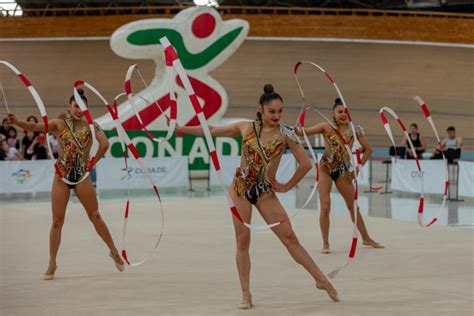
x=81, y=95
x=268, y=88
x=338, y=101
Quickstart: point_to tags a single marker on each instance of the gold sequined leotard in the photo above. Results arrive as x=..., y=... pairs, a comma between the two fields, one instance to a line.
x=336, y=160
x=73, y=147
x=259, y=161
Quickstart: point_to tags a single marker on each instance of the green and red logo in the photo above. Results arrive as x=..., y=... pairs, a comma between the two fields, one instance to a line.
x=202, y=40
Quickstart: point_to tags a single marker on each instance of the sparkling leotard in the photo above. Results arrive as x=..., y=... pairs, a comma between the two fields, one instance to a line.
x=336, y=160
x=259, y=164
x=73, y=145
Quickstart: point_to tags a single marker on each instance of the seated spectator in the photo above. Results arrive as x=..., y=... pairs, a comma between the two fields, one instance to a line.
x=417, y=140
x=9, y=153
x=25, y=144
x=449, y=142
x=4, y=129
x=37, y=149
x=12, y=138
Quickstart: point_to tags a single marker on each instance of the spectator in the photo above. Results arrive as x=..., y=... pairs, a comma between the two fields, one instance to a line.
x=37, y=149
x=4, y=129
x=25, y=144
x=449, y=142
x=9, y=153
x=3, y=149
x=32, y=119
x=417, y=140
x=53, y=141
x=12, y=138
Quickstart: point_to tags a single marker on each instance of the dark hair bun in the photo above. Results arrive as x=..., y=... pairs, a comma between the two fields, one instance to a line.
x=268, y=88
x=80, y=91
x=338, y=101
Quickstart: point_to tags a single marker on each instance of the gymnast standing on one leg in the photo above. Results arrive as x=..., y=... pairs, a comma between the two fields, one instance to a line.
x=74, y=140
x=264, y=142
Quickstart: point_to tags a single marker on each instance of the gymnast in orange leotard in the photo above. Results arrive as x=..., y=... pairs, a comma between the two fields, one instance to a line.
x=74, y=138
x=264, y=141
x=336, y=167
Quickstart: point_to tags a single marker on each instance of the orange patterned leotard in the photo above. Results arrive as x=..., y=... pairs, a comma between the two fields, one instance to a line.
x=260, y=161
x=336, y=160
x=73, y=149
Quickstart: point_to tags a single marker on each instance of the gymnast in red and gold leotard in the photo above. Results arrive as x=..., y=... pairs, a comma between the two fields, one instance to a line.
x=74, y=138
x=264, y=141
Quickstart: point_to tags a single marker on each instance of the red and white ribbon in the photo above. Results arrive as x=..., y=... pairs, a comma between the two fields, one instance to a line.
x=38, y=101
x=173, y=59
x=386, y=125
x=427, y=114
x=126, y=143
x=313, y=156
x=359, y=169
x=173, y=105
x=338, y=91
x=355, y=163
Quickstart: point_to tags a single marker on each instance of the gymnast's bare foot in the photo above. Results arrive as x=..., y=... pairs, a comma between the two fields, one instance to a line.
x=49, y=274
x=119, y=264
x=326, y=250
x=327, y=286
x=246, y=301
x=372, y=243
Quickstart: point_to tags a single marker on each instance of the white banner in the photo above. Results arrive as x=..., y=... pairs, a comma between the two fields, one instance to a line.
x=26, y=176
x=286, y=169
x=407, y=209
x=166, y=172
x=466, y=178
x=406, y=178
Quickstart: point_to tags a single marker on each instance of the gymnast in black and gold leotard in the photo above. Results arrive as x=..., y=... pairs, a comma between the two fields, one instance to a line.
x=260, y=160
x=74, y=138
x=73, y=150
x=335, y=160
x=336, y=167
x=264, y=142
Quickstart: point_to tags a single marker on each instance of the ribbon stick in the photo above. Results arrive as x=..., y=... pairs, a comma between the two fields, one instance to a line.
x=127, y=144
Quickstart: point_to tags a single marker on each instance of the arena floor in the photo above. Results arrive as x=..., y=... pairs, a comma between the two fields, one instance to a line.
x=421, y=271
